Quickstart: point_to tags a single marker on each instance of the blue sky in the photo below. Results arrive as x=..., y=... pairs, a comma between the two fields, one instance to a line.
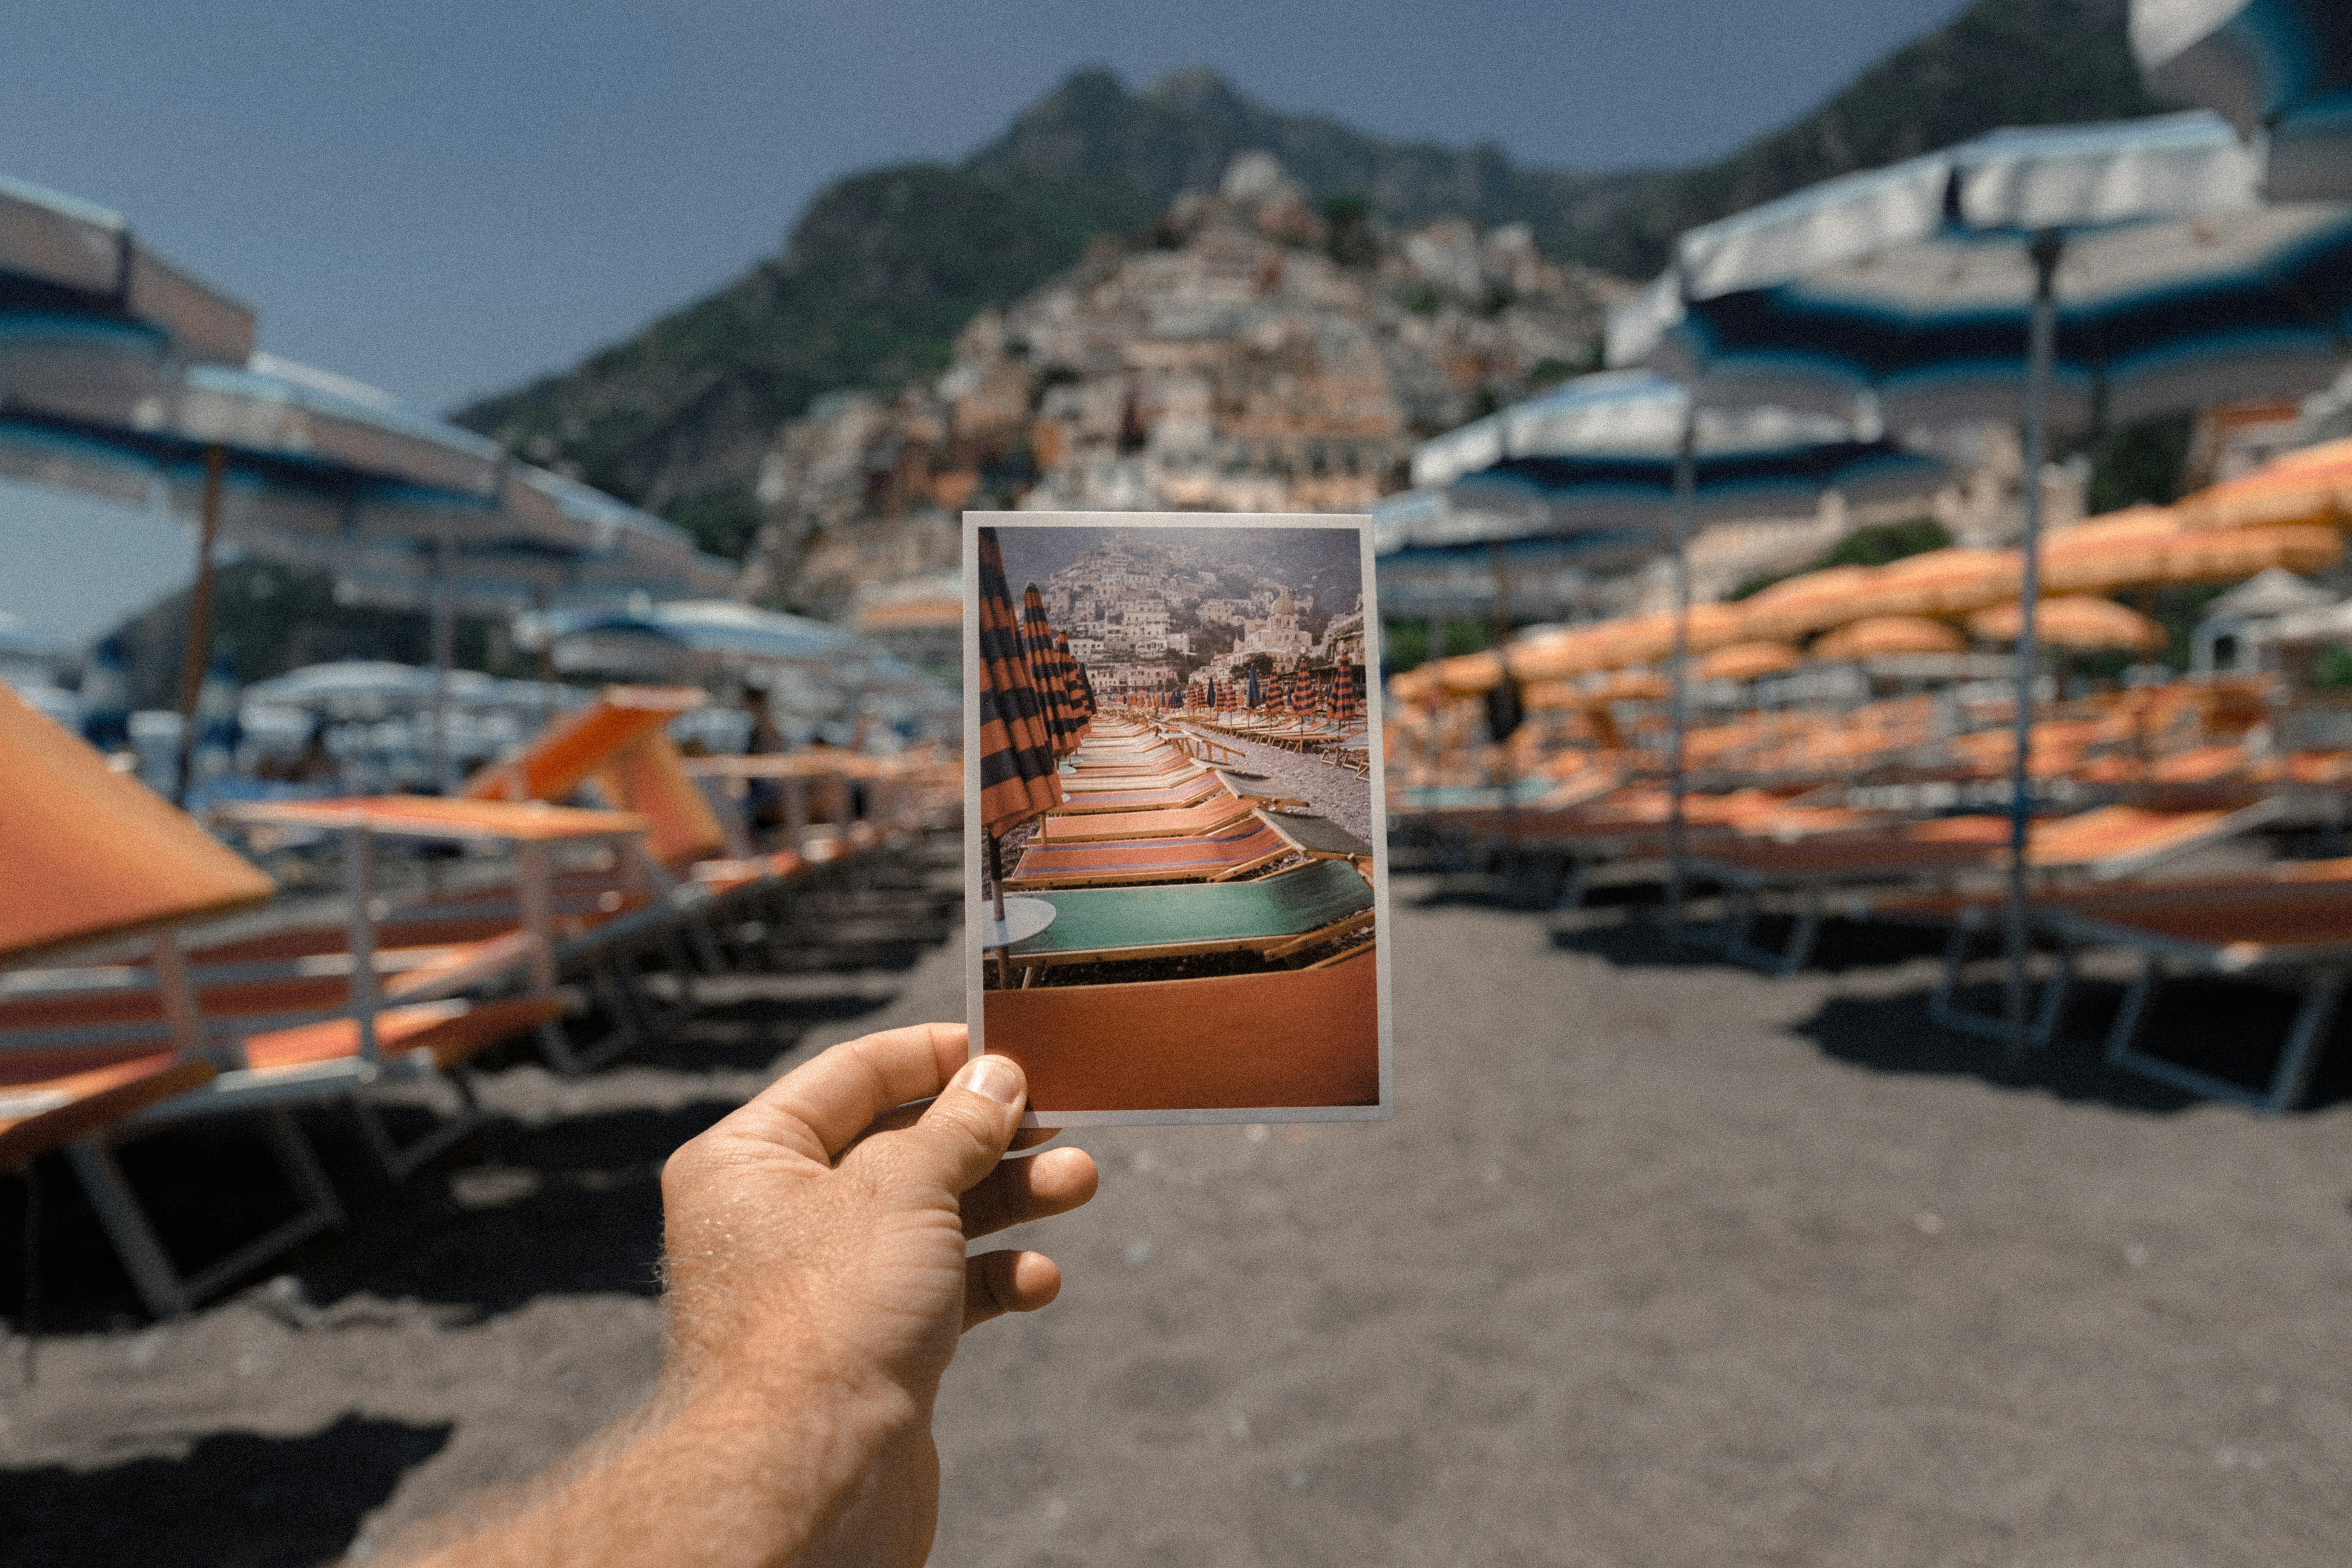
x=448, y=198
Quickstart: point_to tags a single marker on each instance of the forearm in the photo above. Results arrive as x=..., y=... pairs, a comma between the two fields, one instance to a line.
x=724, y=1478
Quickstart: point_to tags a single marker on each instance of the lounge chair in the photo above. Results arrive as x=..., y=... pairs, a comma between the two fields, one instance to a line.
x=2295, y=932
x=1247, y=847
x=2101, y=844
x=1187, y=792
x=91, y=857
x=1219, y=810
x=1289, y=912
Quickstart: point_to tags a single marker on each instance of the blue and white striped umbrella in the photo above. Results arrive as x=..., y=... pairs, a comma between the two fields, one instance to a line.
x=1593, y=462
x=2279, y=70
x=2174, y=287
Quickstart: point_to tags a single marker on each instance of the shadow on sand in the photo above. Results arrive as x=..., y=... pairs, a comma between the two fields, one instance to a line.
x=2233, y=1030
x=231, y=1498
x=524, y=1207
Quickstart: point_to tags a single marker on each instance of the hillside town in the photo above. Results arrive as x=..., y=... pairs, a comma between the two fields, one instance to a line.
x=1254, y=355
x=1146, y=618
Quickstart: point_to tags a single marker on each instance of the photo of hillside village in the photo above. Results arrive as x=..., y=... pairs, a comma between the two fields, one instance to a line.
x=1149, y=619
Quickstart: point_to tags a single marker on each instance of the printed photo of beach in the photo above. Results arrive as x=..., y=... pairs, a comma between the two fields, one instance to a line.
x=1173, y=827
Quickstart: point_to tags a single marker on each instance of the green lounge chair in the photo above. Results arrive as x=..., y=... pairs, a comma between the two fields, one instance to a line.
x=1275, y=916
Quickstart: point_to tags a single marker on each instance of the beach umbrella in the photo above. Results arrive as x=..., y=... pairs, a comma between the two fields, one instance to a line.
x=1256, y=696
x=1746, y=661
x=1345, y=706
x=1877, y=635
x=1037, y=647
x=2079, y=622
x=1017, y=776
x=1633, y=448
x=2311, y=485
x=2279, y=70
x=1077, y=698
x=2078, y=272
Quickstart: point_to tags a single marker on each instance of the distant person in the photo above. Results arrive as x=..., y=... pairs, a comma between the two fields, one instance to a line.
x=763, y=799
x=816, y=1285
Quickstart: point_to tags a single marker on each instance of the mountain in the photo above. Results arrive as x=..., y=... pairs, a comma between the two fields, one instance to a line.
x=1254, y=356
x=884, y=267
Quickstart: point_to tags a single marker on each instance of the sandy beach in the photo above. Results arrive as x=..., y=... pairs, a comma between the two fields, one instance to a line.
x=1661, y=1263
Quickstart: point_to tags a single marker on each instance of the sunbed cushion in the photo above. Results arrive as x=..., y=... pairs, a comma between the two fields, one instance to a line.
x=48, y=1099
x=1108, y=919
x=1145, y=859
x=452, y=1031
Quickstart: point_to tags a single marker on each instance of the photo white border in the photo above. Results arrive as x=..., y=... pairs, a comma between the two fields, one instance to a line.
x=975, y=851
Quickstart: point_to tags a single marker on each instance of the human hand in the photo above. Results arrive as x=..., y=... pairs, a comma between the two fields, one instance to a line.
x=815, y=1241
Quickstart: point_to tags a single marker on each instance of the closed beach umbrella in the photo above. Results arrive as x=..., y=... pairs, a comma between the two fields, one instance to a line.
x=1345, y=708
x=2082, y=622
x=1077, y=699
x=2313, y=486
x=1876, y=635
x=1746, y=661
x=2279, y=70
x=1256, y=697
x=1017, y=776
x=1037, y=648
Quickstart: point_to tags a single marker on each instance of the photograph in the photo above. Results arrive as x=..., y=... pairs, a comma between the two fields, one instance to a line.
x=1174, y=839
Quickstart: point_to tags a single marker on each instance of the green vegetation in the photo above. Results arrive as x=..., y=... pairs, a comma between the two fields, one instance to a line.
x=723, y=520
x=1889, y=541
x=881, y=272
x=273, y=618
x=2140, y=462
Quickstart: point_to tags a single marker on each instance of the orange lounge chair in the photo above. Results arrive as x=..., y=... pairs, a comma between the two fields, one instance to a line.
x=1171, y=797
x=1248, y=846
x=1219, y=810
x=92, y=855
x=2251, y=903
x=2101, y=844
x=1290, y=1039
x=2295, y=932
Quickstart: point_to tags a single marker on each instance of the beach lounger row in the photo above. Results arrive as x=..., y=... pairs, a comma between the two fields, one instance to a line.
x=1192, y=867
x=154, y=1027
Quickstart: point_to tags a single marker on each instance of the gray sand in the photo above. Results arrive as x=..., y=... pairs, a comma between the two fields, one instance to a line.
x=1335, y=792
x=1660, y=1264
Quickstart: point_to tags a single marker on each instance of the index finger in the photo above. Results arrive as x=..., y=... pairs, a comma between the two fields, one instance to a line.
x=822, y=1105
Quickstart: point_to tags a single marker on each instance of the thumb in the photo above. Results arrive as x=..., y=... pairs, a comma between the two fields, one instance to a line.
x=967, y=1128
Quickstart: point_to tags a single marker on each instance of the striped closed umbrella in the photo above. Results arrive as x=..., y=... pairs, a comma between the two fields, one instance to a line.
x=1017, y=777
x=1037, y=647
x=1344, y=706
x=1077, y=698
x=1302, y=692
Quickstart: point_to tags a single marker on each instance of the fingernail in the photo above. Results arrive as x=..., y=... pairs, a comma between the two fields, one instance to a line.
x=993, y=1078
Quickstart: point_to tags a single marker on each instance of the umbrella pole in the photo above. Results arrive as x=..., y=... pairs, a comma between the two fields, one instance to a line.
x=1677, y=706
x=2040, y=342
x=199, y=650
x=996, y=888
x=443, y=637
